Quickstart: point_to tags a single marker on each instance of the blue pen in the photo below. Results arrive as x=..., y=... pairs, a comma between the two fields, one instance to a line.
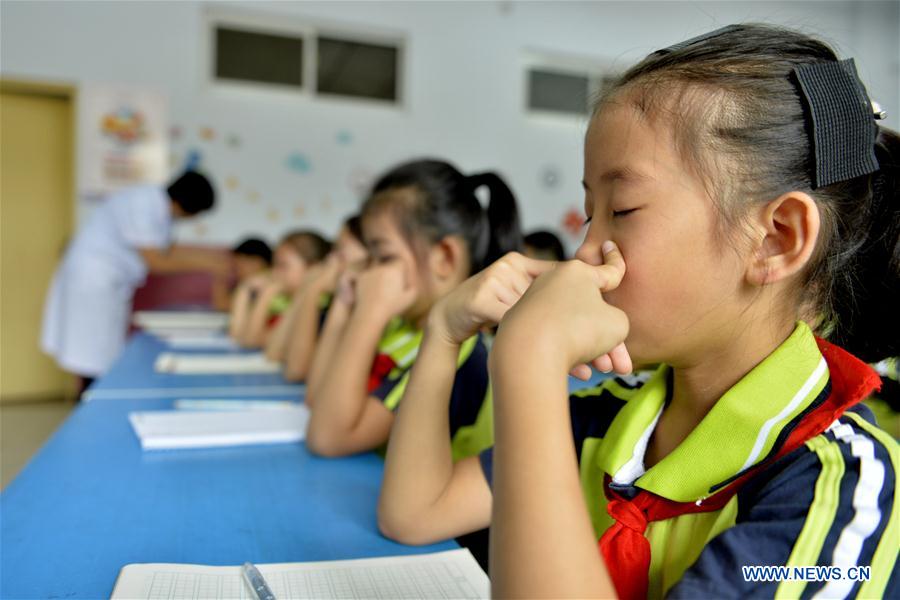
x=255, y=581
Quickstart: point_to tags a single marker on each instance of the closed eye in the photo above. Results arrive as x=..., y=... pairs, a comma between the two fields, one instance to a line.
x=622, y=213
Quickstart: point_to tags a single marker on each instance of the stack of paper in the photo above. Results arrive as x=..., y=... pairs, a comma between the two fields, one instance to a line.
x=212, y=364
x=231, y=404
x=200, y=342
x=151, y=320
x=170, y=429
x=451, y=574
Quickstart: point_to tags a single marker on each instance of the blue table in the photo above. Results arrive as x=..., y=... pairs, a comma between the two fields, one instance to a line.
x=91, y=502
x=133, y=376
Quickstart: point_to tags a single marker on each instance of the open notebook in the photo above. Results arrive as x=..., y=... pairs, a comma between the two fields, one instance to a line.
x=171, y=429
x=214, y=364
x=450, y=574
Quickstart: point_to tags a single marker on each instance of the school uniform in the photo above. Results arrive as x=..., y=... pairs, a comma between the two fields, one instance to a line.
x=277, y=307
x=88, y=304
x=471, y=415
x=781, y=472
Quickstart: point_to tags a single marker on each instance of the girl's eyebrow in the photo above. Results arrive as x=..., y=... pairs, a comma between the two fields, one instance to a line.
x=624, y=174
x=619, y=174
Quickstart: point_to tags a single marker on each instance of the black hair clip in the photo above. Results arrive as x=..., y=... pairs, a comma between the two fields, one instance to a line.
x=842, y=127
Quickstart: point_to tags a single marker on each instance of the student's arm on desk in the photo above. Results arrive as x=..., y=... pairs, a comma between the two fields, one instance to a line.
x=345, y=419
x=425, y=496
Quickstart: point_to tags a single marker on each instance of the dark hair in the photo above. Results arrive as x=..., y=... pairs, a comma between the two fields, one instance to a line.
x=443, y=202
x=354, y=226
x=736, y=108
x=547, y=242
x=254, y=247
x=311, y=246
x=192, y=192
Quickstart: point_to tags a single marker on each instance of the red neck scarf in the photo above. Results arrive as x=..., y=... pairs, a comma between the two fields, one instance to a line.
x=624, y=547
x=381, y=368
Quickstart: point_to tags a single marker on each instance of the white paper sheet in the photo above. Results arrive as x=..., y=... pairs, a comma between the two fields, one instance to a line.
x=155, y=320
x=450, y=574
x=214, y=364
x=172, y=429
x=201, y=342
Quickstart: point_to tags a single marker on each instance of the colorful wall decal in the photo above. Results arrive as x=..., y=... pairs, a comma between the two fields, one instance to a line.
x=194, y=159
x=298, y=162
x=573, y=222
x=300, y=211
x=232, y=183
x=207, y=134
x=233, y=140
x=344, y=137
x=273, y=215
x=125, y=125
x=200, y=230
x=252, y=196
x=175, y=132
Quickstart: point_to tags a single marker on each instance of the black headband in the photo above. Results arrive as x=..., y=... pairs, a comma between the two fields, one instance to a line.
x=698, y=39
x=841, y=119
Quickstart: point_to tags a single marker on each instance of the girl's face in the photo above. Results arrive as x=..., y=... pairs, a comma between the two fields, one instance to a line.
x=349, y=249
x=684, y=290
x=288, y=267
x=387, y=245
x=247, y=266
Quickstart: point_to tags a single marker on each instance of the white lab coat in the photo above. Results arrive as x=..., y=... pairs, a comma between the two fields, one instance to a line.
x=89, y=300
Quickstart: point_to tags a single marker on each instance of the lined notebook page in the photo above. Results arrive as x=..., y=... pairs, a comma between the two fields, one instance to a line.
x=172, y=429
x=450, y=574
x=214, y=364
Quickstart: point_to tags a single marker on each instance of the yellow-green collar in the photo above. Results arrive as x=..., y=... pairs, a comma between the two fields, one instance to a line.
x=739, y=431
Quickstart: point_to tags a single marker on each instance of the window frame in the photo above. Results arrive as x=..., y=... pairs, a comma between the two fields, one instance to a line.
x=216, y=16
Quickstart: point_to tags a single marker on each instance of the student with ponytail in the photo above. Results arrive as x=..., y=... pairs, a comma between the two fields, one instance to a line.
x=743, y=232
x=426, y=232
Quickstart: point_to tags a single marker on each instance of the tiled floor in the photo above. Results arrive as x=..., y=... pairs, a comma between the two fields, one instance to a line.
x=24, y=427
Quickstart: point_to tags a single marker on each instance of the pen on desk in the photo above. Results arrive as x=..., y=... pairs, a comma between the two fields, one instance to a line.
x=255, y=581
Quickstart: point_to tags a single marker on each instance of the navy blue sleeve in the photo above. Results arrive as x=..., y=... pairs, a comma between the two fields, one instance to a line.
x=487, y=465
x=470, y=386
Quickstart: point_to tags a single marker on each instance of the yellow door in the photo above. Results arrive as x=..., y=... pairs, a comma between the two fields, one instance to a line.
x=36, y=209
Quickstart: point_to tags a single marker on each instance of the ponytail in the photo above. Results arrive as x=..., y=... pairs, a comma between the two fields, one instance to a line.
x=865, y=295
x=502, y=218
x=443, y=203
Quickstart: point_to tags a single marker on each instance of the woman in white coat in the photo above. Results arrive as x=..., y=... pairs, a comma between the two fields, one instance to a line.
x=89, y=301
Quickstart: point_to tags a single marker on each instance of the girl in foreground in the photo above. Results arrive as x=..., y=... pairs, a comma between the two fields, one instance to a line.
x=721, y=220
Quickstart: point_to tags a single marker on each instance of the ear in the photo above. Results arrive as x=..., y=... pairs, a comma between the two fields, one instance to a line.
x=788, y=228
x=448, y=260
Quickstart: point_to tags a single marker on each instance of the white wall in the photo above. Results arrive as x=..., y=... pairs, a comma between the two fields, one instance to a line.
x=464, y=88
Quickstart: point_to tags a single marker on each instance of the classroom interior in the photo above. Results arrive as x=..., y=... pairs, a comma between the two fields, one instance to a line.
x=292, y=110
